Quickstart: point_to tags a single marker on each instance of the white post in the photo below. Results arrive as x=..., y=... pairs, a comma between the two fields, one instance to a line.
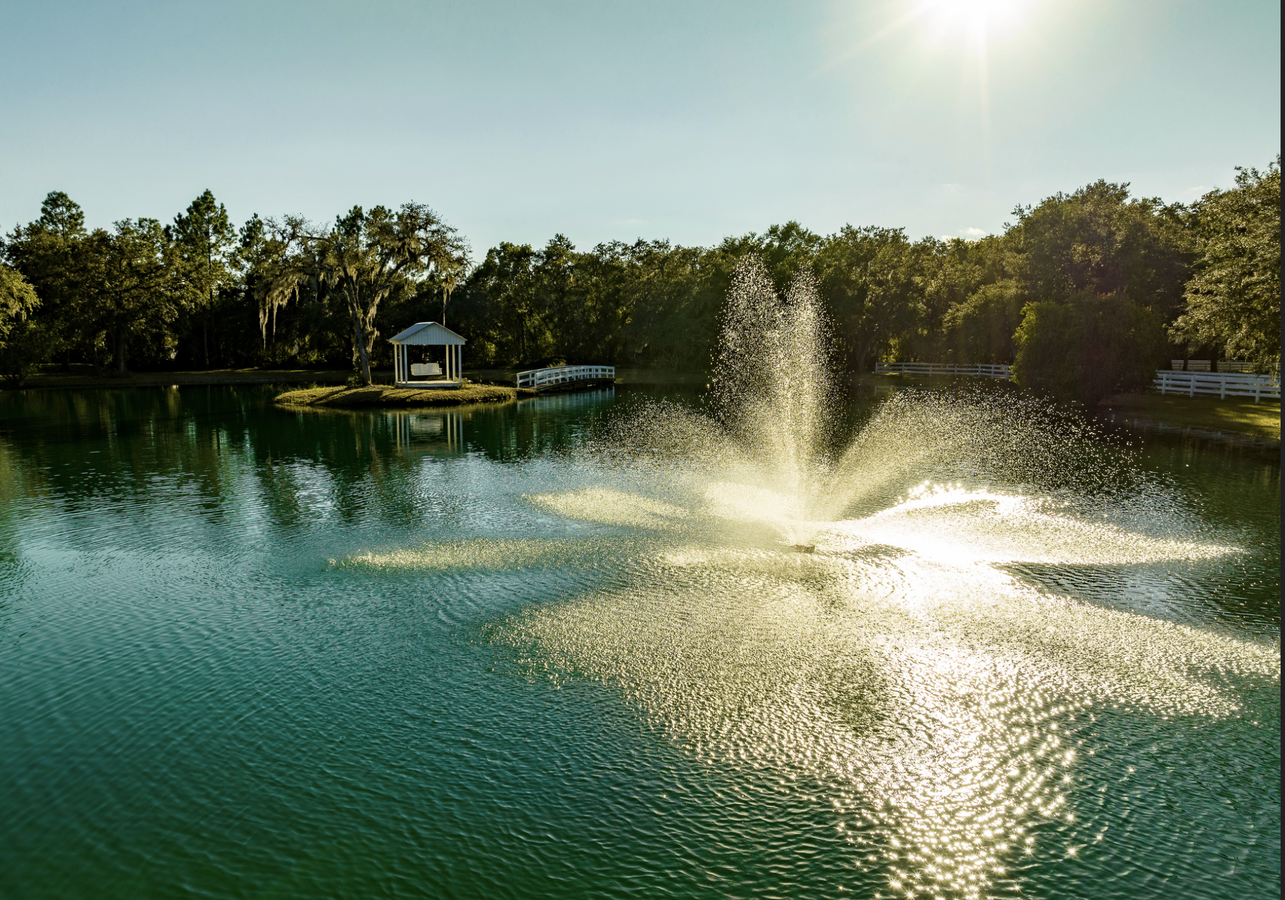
x=460, y=350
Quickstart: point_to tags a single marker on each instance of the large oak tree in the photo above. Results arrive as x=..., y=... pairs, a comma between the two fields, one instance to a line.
x=1234, y=298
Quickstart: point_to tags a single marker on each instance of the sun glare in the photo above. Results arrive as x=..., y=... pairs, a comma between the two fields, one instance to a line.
x=972, y=21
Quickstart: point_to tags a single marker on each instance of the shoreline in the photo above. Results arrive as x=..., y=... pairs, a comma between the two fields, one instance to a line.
x=1236, y=420
x=90, y=381
x=1241, y=421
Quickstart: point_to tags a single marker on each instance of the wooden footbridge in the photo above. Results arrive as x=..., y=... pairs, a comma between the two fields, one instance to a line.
x=566, y=378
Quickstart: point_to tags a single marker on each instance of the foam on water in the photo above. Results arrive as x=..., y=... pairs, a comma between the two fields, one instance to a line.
x=471, y=554
x=599, y=504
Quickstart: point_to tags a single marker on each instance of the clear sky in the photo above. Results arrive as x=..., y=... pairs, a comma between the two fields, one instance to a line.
x=605, y=120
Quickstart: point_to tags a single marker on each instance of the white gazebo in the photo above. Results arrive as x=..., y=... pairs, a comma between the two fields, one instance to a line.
x=406, y=373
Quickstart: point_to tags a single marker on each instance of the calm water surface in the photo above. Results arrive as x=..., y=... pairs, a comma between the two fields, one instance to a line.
x=254, y=653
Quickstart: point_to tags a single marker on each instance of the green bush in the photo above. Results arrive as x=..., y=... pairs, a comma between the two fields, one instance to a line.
x=1088, y=347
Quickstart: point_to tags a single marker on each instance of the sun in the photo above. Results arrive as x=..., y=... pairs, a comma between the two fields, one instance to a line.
x=973, y=22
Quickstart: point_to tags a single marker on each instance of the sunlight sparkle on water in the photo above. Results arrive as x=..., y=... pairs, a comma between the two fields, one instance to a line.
x=903, y=672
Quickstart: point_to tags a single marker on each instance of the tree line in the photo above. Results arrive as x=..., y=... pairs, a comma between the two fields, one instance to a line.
x=1085, y=293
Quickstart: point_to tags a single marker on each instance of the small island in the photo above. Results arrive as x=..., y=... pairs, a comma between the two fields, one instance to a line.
x=387, y=395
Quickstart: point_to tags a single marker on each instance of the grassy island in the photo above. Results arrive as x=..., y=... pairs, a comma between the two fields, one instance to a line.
x=386, y=395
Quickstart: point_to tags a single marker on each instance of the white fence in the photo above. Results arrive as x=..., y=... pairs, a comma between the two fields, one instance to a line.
x=1205, y=365
x=922, y=368
x=561, y=376
x=1192, y=383
x=1222, y=384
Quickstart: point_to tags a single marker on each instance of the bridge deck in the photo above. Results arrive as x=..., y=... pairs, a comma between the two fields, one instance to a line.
x=556, y=378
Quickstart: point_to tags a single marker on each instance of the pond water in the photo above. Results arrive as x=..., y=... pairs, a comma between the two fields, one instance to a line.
x=246, y=652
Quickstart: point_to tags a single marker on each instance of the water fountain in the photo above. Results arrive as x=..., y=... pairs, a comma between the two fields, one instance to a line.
x=880, y=623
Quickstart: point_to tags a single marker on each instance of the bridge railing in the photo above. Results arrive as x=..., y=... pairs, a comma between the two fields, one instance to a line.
x=1221, y=384
x=556, y=376
x=923, y=368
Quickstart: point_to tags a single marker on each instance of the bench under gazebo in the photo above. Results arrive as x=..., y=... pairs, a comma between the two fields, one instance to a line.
x=427, y=374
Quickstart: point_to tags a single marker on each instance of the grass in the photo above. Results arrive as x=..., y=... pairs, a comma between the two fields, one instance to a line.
x=1235, y=415
x=384, y=395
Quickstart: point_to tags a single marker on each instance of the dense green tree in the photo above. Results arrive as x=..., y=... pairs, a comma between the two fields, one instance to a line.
x=448, y=267
x=142, y=293
x=981, y=329
x=27, y=345
x=49, y=254
x=557, y=295
x=971, y=303
x=130, y=293
x=645, y=303
x=1234, y=297
x=785, y=250
x=359, y=261
x=868, y=281
x=23, y=344
x=673, y=300
x=1101, y=241
x=498, y=306
x=203, y=242
x=1088, y=347
x=276, y=265
x=18, y=300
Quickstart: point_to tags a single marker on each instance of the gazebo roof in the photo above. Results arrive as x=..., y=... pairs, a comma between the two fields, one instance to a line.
x=428, y=333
